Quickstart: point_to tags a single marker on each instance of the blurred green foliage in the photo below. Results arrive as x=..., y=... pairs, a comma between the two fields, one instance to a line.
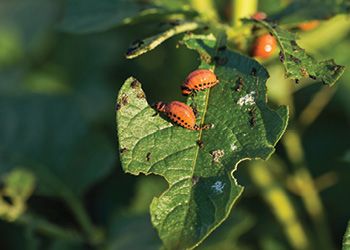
x=57, y=97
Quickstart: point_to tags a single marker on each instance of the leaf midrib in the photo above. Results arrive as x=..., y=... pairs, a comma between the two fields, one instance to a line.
x=218, y=44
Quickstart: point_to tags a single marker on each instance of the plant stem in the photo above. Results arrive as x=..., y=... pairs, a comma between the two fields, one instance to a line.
x=242, y=9
x=94, y=235
x=305, y=184
x=206, y=9
x=47, y=228
x=315, y=107
x=280, y=203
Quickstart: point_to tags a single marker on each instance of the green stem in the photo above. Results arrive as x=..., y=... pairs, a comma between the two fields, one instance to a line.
x=280, y=203
x=94, y=235
x=315, y=107
x=206, y=8
x=307, y=189
x=242, y=9
x=49, y=229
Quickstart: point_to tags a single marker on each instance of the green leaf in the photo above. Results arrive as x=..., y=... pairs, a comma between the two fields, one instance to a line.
x=300, y=10
x=18, y=186
x=52, y=137
x=140, y=47
x=131, y=232
x=202, y=189
x=86, y=16
x=346, y=239
x=298, y=64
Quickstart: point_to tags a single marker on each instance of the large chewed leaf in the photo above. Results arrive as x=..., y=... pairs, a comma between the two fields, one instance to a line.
x=301, y=10
x=85, y=16
x=298, y=64
x=140, y=47
x=198, y=165
x=346, y=239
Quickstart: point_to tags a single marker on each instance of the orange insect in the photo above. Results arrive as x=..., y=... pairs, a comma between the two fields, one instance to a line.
x=259, y=16
x=264, y=46
x=308, y=25
x=180, y=113
x=198, y=80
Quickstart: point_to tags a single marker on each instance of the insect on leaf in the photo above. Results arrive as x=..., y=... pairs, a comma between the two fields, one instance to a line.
x=297, y=63
x=202, y=189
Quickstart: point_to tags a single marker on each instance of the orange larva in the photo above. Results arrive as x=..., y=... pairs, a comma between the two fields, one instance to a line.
x=264, y=46
x=198, y=80
x=180, y=113
x=309, y=25
x=259, y=16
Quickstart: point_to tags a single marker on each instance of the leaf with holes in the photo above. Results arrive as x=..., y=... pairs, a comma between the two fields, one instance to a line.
x=202, y=189
x=298, y=64
x=140, y=47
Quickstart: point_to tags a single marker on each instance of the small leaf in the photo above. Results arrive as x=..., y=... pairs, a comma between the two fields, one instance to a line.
x=300, y=10
x=346, y=239
x=18, y=186
x=298, y=64
x=87, y=16
x=202, y=189
x=140, y=47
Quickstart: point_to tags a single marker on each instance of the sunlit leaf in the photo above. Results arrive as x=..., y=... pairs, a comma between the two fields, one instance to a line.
x=18, y=185
x=299, y=64
x=140, y=47
x=201, y=189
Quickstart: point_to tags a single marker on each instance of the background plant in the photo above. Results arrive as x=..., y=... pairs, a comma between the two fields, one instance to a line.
x=57, y=124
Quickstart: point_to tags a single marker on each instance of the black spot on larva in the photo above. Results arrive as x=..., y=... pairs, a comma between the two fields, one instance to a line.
x=200, y=85
x=296, y=81
x=182, y=121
